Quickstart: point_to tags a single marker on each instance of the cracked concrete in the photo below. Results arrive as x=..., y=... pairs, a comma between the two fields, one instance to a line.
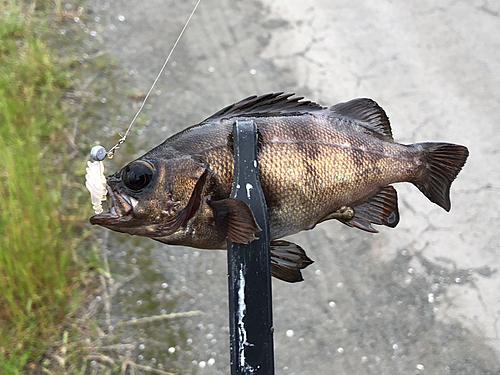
x=420, y=298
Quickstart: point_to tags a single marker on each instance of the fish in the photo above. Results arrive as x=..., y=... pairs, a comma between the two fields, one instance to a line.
x=315, y=164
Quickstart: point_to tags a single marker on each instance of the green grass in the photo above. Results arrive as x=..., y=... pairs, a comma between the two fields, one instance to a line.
x=38, y=277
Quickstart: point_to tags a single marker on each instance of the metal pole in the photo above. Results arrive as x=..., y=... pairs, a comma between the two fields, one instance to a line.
x=249, y=270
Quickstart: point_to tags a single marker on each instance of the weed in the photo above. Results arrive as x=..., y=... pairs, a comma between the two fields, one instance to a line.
x=38, y=277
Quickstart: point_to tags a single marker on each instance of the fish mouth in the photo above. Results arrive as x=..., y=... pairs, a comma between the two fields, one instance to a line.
x=120, y=205
x=120, y=217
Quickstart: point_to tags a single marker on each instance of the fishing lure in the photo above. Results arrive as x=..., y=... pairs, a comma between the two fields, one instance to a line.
x=95, y=181
x=96, y=184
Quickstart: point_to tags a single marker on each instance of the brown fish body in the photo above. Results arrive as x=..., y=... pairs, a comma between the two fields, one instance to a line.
x=308, y=168
x=313, y=163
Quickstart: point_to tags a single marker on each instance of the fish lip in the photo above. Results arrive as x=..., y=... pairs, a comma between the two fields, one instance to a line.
x=120, y=209
x=109, y=219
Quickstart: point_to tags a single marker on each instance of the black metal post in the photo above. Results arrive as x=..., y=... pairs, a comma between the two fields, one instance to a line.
x=249, y=270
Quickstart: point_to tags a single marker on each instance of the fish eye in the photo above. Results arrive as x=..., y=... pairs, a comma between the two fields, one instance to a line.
x=137, y=175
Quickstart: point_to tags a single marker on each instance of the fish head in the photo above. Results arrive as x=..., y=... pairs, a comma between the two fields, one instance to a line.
x=152, y=198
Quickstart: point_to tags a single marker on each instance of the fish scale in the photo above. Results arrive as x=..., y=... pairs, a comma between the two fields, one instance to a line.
x=307, y=183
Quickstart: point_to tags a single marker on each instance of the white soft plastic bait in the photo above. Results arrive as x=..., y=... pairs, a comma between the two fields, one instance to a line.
x=96, y=183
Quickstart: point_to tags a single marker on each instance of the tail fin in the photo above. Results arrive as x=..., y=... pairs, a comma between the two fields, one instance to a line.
x=442, y=163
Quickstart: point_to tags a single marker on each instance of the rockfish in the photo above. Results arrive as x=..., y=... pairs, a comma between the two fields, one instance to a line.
x=316, y=163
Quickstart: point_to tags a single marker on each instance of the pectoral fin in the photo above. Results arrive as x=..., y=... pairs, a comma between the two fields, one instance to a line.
x=381, y=209
x=287, y=259
x=234, y=219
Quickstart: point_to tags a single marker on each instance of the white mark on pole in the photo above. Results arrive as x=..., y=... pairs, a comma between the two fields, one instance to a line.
x=249, y=187
x=242, y=309
x=235, y=190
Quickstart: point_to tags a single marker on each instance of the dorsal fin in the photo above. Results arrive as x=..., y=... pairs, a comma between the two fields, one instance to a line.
x=273, y=104
x=366, y=111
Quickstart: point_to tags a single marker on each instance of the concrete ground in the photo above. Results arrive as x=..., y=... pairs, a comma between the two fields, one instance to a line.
x=421, y=298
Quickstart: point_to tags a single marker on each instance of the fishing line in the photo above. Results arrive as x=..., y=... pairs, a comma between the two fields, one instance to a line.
x=99, y=153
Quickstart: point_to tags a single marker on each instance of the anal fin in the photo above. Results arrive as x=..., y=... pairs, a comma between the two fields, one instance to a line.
x=380, y=209
x=287, y=259
x=235, y=220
